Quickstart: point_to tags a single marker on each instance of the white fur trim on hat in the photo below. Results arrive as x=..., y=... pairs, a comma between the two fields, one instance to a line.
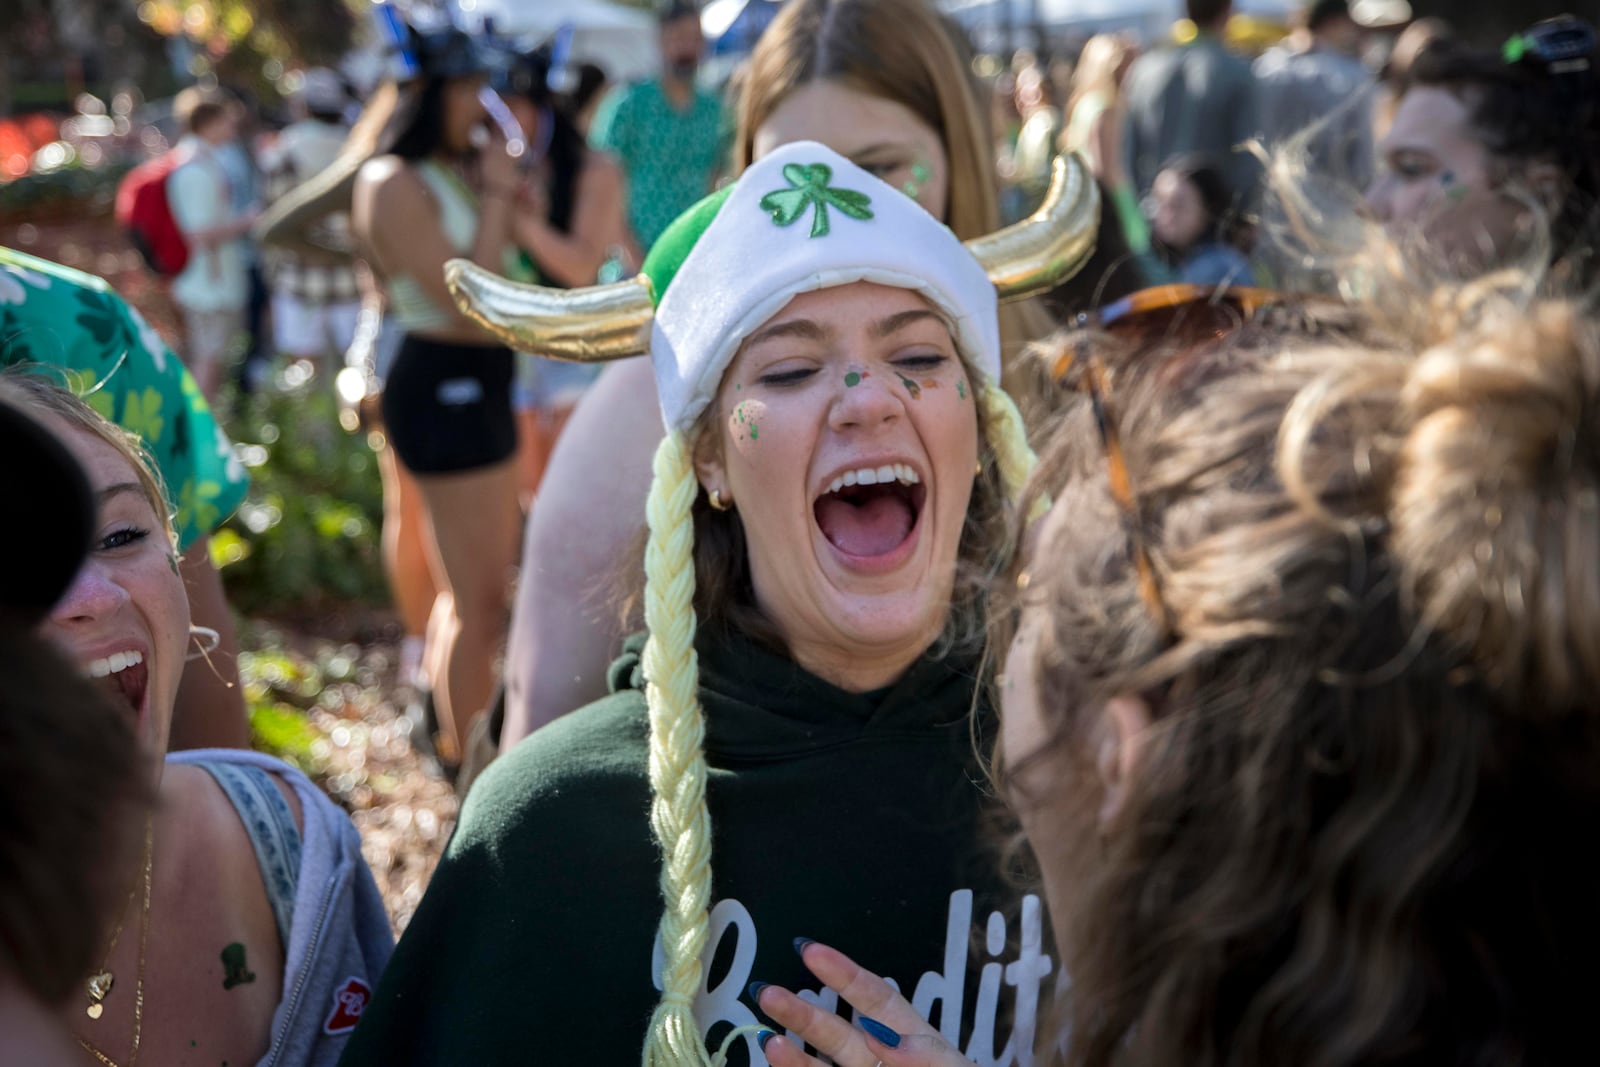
x=747, y=266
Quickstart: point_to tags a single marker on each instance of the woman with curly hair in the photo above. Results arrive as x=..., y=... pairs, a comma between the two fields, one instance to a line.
x=1300, y=715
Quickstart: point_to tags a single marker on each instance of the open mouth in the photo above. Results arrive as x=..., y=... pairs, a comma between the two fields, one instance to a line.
x=124, y=676
x=868, y=514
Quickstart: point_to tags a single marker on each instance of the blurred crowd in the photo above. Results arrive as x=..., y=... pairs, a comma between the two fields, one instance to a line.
x=1184, y=456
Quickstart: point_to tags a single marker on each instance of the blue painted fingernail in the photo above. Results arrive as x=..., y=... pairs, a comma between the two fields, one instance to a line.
x=754, y=989
x=762, y=1037
x=800, y=944
x=882, y=1033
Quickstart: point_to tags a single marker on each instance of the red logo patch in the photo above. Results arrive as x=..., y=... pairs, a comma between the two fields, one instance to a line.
x=349, y=1001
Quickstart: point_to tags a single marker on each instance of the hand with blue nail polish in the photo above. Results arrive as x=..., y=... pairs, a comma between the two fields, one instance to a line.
x=887, y=1030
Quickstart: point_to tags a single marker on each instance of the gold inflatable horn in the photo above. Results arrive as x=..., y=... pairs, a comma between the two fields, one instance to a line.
x=591, y=325
x=606, y=322
x=1051, y=245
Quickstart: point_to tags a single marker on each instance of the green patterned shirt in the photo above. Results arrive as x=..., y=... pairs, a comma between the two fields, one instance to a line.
x=669, y=156
x=60, y=317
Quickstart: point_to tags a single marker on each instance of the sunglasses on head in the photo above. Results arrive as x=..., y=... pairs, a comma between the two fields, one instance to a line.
x=1187, y=315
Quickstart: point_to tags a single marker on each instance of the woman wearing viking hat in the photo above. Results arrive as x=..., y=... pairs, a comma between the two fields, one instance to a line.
x=828, y=507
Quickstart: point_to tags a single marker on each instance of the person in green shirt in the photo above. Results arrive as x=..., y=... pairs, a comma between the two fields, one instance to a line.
x=74, y=326
x=665, y=132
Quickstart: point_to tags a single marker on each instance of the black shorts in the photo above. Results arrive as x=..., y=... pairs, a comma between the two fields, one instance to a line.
x=447, y=406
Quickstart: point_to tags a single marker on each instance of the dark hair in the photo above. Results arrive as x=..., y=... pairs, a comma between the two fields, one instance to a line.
x=1113, y=271
x=72, y=789
x=1206, y=13
x=1325, y=11
x=530, y=80
x=677, y=12
x=591, y=79
x=416, y=129
x=1215, y=196
x=204, y=114
x=1526, y=113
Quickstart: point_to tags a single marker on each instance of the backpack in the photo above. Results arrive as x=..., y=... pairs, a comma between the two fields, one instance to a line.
x=145, y=213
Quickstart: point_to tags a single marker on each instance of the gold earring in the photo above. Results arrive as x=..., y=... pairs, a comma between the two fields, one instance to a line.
x=719, y=503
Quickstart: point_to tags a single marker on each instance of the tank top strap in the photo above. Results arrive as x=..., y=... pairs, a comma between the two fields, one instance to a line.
x=458, y=206
x=273, y=834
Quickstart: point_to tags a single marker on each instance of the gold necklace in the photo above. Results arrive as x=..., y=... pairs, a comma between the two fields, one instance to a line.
x=100, y=984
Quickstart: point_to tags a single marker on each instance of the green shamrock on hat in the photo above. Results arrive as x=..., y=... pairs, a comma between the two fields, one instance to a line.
x=811, y=189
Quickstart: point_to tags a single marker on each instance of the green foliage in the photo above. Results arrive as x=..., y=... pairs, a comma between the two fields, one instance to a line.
x=279, y=686
x=306, y=538
x=73, y=189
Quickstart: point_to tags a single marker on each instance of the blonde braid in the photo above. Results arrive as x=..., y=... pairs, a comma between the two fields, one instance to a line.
x=678, y=812
x=1008, y=439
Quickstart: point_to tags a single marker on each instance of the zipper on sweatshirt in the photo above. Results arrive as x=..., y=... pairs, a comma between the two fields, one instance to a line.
x=293, y=1001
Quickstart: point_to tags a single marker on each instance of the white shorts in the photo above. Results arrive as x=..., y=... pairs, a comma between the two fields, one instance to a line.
x=302, y=330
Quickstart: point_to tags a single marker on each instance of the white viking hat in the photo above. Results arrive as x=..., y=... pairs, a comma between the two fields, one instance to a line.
x=802, y=218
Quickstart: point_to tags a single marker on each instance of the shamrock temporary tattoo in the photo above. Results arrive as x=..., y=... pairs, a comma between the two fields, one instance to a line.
x=811, y=190
x=237, y=972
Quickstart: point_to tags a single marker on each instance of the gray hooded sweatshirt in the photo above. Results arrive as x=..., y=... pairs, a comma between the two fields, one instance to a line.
x=339, y=937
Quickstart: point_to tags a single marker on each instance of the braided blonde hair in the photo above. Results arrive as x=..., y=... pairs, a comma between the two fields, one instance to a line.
x=678, y=812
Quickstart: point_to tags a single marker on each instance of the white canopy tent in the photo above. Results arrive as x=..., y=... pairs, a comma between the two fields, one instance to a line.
x=620, y=40
x=1150, y=18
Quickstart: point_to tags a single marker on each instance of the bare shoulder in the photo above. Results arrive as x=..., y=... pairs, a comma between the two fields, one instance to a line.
x=193, y=804
x=387, y=183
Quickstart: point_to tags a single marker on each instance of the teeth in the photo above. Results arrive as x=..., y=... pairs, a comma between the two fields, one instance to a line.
x=895, y=472
x=113, y=664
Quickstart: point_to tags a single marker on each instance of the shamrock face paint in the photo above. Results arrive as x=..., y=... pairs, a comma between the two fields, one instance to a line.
x=744, y=424
x=920, y=173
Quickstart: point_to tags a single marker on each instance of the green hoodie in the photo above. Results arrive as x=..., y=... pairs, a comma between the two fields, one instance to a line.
x=851, y=818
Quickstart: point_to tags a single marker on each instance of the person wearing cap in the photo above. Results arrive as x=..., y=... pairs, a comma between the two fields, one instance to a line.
x=435, y=182
x=1493, y=159
x=75, y=326
x=315, y=299
x=1323, y=81
x=829, y=504
x=250, y=928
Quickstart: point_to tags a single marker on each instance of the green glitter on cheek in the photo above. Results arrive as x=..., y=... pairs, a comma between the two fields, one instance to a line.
x=755, y=431
x=961, y=390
